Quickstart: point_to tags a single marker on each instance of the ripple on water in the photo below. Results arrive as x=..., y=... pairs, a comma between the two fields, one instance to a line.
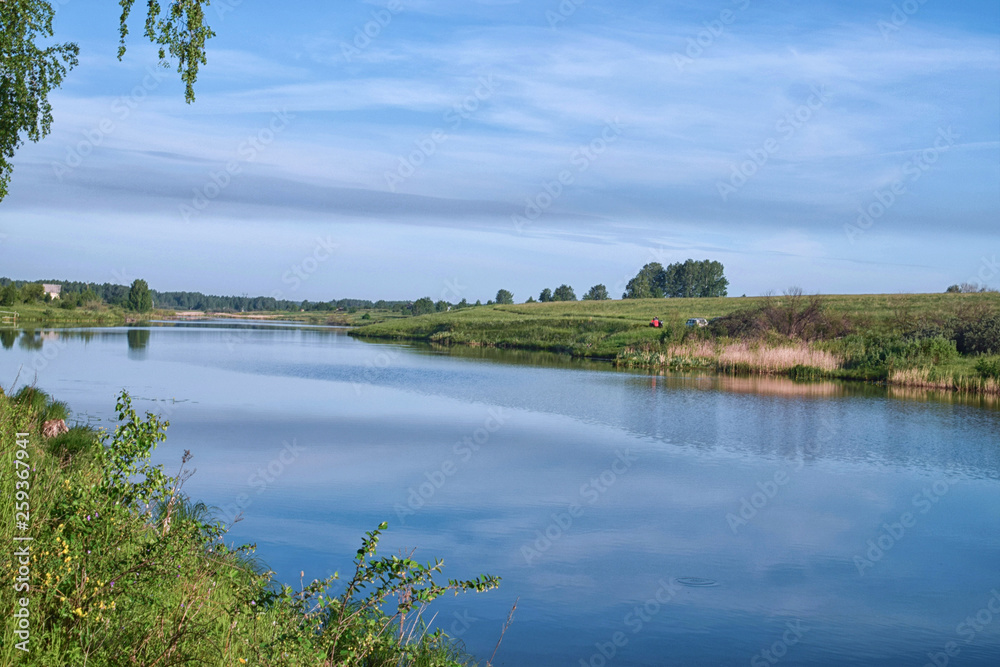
x=696, y=582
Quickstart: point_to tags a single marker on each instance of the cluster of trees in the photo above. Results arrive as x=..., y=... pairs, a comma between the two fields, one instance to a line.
x=199, y=301
x=687, y=279
x=562, y=293
x=13, y=292
x=75, y=294
x=968, y=288
x=680, y=280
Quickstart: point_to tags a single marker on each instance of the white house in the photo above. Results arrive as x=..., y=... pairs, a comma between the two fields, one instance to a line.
x=52, y=291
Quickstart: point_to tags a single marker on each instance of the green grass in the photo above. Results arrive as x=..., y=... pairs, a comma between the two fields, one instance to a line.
x=124, y=569
x=619, y=330
x=50, y=314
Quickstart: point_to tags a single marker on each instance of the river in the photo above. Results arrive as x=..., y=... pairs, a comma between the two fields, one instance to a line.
x=637, y=519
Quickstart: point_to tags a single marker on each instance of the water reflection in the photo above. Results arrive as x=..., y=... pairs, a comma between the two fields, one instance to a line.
x=317, y=437
x=138, y=339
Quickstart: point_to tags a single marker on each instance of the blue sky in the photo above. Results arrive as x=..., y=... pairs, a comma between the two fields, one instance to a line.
x=450, y=148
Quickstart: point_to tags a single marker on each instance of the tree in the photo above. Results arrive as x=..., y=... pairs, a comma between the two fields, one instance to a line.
x=564, y=293
x=647, y=284
x=504, y=297
x=545, y=296
x=531, y=299
x=10, y=295
x=596, y=293
x=969, y=288
x=32, y=292
x=139, y=299
x=695, y=279
x=422, y=306
x=29, y=72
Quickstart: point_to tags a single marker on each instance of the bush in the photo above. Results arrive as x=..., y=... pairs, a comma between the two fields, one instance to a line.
x=981, y=336
x=988, y=368
x=875, y=355
x=132, y=572
x=934, y=350
x=793, y=316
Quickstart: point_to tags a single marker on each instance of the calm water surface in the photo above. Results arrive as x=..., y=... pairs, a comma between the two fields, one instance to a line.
x=640, y=520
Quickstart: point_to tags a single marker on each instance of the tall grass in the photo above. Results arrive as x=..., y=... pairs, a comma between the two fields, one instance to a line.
x=931, y=378
x=734, y=357
x=126, y=570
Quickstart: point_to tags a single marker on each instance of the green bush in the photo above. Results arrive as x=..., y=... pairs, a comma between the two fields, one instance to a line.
x=129, y=571
x=981, y=336
x=934, y=350
x=988, y=368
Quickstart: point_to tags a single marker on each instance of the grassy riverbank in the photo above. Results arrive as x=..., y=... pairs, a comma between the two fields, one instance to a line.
x=122, y=568
x=907, y=339
x=50, y=314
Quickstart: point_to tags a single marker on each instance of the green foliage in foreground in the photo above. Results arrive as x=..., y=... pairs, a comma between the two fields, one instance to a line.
x=124, y=569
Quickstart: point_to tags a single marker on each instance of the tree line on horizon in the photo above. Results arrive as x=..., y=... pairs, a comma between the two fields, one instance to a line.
x=75, y=293
x=687, y=279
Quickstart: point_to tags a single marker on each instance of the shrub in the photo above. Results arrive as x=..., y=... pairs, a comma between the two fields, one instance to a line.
x=981, y=336
x=988, y=368
x=875, y=355
x=934, y=350
x=132, y=572
x=792, y=316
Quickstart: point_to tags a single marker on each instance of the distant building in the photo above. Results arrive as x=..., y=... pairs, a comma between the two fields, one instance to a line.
x=52, y=291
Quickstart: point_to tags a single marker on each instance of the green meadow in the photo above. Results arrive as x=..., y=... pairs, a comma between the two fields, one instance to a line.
x=914, y=339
